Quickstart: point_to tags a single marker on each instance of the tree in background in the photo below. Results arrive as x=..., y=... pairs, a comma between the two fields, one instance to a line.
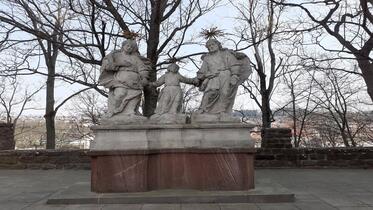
x=83, y=31
x=262, y=27
x=348, y=22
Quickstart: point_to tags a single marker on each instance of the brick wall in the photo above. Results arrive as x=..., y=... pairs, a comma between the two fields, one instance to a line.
x=265, y=158
x=6, y=136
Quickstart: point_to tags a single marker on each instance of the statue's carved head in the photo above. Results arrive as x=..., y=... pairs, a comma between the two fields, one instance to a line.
x=129, y=46
x=213, y=45
x=173, y=67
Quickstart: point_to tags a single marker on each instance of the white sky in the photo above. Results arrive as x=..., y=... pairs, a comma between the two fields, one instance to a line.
x=223, y=17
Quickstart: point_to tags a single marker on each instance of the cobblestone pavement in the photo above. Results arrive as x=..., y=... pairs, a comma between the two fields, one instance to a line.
x=319, y=189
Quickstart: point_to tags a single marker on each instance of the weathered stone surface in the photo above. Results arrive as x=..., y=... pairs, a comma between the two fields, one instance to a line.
x=221, y=73
x=126, y=137
x=200, y=169
x=265, y=192
x=124, y=72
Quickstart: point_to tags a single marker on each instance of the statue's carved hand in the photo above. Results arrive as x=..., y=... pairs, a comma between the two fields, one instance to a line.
x=211, y=75
x=144, y=82
x=234, y=80
x=196, y=82
x=203, y=86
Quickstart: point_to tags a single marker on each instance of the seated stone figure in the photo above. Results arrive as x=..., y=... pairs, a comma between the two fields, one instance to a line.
x=170, y=98
x=124, y=72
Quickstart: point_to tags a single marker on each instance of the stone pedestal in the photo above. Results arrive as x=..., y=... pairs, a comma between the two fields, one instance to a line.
x=189, y=156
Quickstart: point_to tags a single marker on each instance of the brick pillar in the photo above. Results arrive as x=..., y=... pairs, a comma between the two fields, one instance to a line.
x=6, y=136
x=276, y=138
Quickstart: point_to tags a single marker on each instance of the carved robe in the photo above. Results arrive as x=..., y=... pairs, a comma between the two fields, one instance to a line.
x=220, y=75
x=123, y=74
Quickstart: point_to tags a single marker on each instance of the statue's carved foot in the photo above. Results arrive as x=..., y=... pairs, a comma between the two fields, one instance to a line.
x=213, y=118
x=168, y=118
x=122, y=118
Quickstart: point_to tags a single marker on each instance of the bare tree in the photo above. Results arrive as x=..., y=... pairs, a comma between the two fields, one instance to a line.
x=350, y=23
x=14, y=100
x=301, y=91
x=261, y=27
x=337, y=96
x=85, y=30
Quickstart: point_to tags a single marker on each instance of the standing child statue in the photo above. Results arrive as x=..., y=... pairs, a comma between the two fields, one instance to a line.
x=170, y=99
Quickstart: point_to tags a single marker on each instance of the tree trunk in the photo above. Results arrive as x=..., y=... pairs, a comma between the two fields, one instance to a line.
x=296, y=142
x=150, y=94
x=266, y=111
x=49, y=108
x=345, y=139
x=367, y=71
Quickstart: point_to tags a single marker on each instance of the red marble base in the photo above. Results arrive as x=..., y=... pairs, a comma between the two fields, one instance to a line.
x=199, y=169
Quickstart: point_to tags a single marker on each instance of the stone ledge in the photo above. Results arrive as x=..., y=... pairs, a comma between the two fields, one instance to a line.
x=178, y=136
x=172, y=151
x=265, y=192
x=173, y=126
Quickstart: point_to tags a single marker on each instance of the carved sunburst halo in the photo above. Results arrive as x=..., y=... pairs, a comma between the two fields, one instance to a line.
x=212, y=32
x=130, y=35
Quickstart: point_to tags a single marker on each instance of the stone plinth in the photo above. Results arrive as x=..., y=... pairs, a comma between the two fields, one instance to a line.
x=199, y=169
x=155, y=157
x=177, y=136
x=6, y=136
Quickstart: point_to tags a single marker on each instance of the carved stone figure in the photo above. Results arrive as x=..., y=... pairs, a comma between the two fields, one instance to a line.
x=124, y=72
x=170, y=97
x=222, y=71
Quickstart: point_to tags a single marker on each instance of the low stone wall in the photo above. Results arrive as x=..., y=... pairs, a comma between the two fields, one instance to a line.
x=265, y=158
x=6, y=136
x=44, y=159
x=276, y=138
x=314, y=158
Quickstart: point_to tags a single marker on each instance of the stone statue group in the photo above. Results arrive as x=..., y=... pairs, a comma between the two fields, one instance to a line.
x=124, y=72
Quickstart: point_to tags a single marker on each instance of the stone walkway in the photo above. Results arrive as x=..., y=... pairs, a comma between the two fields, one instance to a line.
x=319, y=189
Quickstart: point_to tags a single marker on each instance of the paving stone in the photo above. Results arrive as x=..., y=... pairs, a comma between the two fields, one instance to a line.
x=28, y=197
x=306, y=197
x=34, y=185
x=12, y=206
x=279, y=206
x=339, y=200
x=238, y=206
x=83, y=207
x=43, y=206
x=161, y=207
x=314, y=205
x=122, y=207
x=366, y=198
x=200, y=207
